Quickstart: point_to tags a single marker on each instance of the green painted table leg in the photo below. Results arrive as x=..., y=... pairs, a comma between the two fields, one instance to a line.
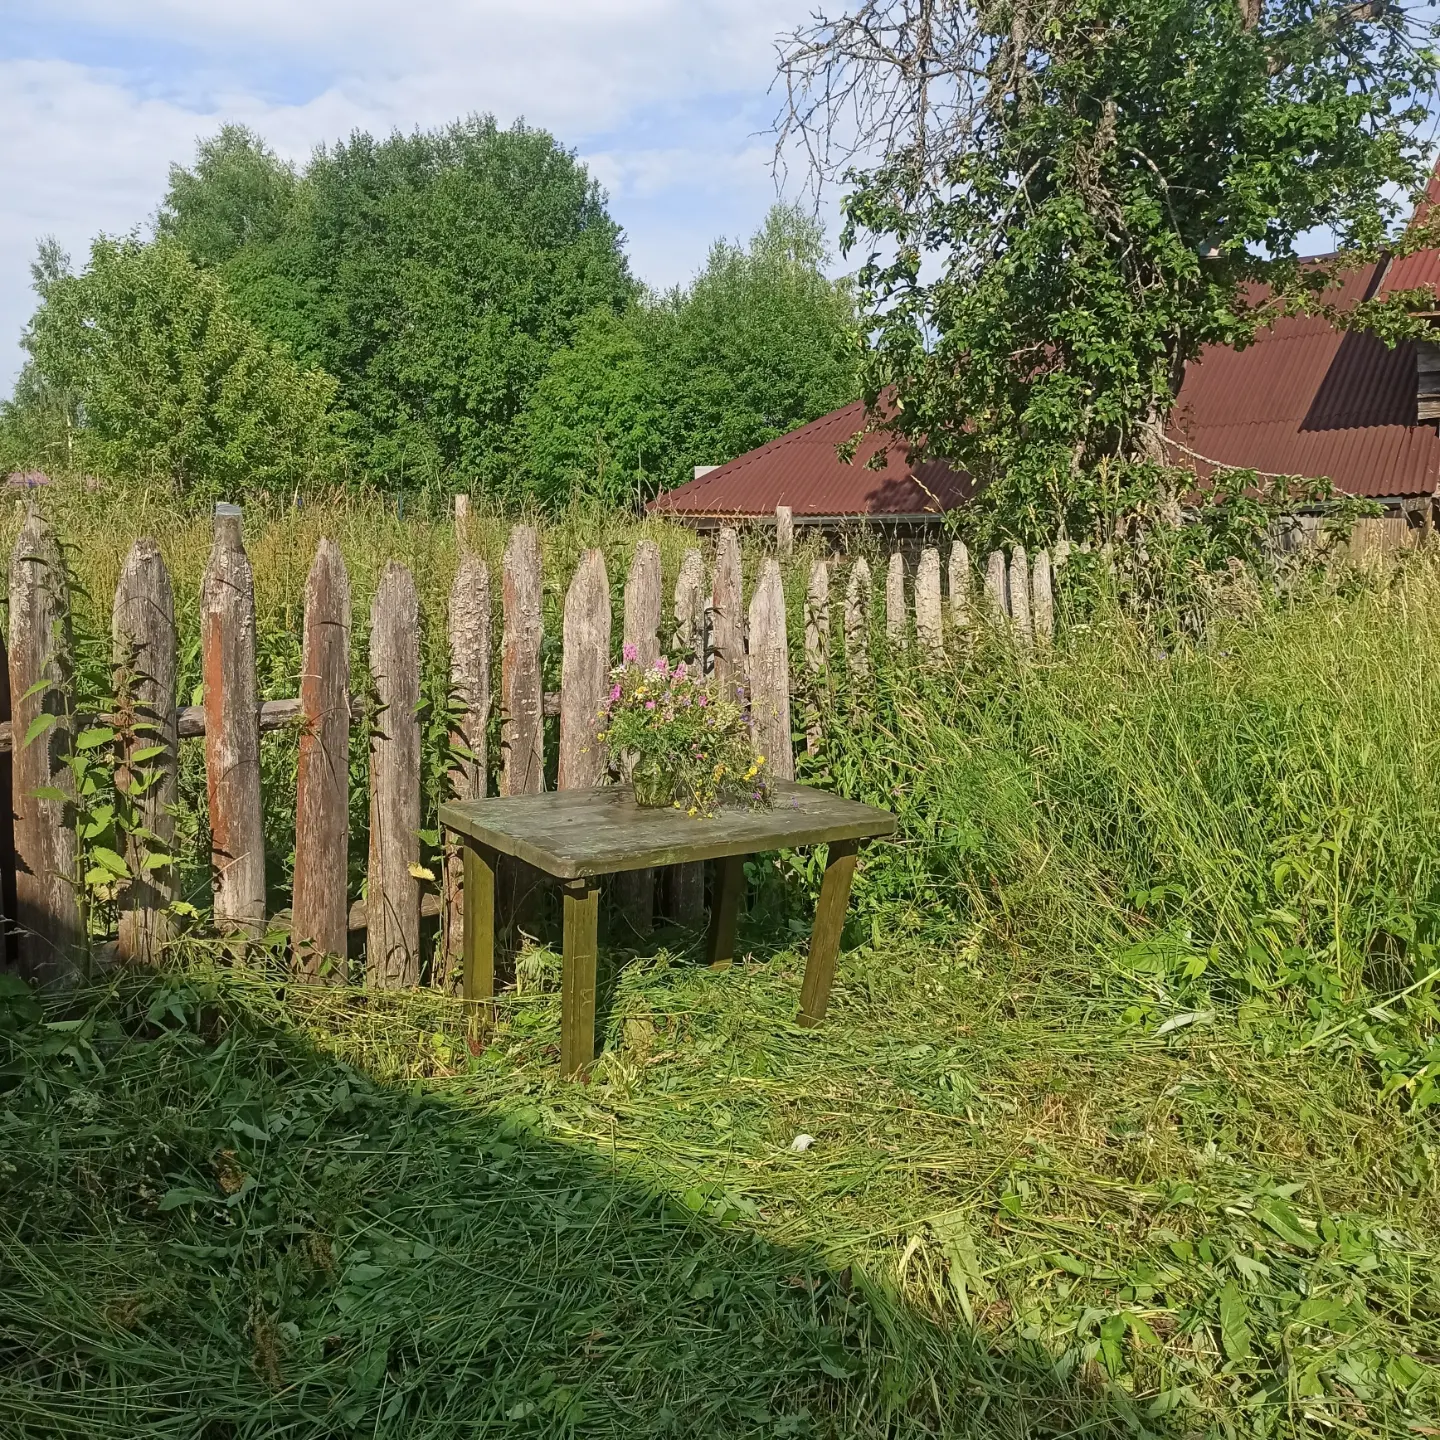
x=577, y=1000
x=825, y=937
x=725, y=911
x=478, y=977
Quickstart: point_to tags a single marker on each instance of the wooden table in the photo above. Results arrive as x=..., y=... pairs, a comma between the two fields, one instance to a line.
x=579, y=835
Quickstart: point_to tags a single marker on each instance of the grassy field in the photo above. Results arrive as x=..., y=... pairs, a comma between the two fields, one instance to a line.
x=1123, y=1119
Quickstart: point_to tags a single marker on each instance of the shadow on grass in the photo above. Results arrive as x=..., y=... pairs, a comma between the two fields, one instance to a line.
x=209, y=1227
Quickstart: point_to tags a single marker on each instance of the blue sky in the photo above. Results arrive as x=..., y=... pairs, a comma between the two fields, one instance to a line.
x=664, y=99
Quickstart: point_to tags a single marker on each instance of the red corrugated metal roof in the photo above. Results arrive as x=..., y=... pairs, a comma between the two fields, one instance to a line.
x=803, y=471
x=1307, y=399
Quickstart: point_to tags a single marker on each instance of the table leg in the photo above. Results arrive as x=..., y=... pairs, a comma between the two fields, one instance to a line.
x=478, y=905
x=725, y=909
x=825, y=937
x=577, y=1000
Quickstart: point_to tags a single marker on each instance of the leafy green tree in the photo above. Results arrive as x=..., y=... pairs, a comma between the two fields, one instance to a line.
x=594, y=426
x=167, y=381
x=239, y=193
x=760, y=342
x=434, y=274
x=1074, y=196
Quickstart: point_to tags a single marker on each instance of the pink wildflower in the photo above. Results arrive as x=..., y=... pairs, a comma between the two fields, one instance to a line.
x=662, y=664
x=680, y=671
x=629, y=654
x=649, y=704
x=615, y=692
x=704, y=699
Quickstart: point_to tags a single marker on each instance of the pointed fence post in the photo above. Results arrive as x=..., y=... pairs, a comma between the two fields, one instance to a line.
x=522, y=722
x=895, y=626
x=320, y=912
x=469, y=621
x=634, y=890
x=520, y=887
x=144, y=640
x=232, y=733
x=1020, y=594
x=817, y=649
x=682, y=887
x=51, y=940
x=929, y=628
x=392, y=948
x=584, y=673
x=770, y=675
x=857, y=623
x=688, y=638
x=960, y=587
x=784, y=531
x=727, y=625
x=1042, y=600
x=997, y=589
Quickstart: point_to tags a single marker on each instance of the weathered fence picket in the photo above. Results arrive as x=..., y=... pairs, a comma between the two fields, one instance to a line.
x=232, y=733
x=688, y=637
x=522, y=721
x=1042, y=599
x=1019, y=592
x=145, y=658
x=770, y=675
x=857, y=622
x=682, y=887
x=895, y=627
x=50, y=941
x=959, y=588
x=519, y=887
x=585, y=672
x=727, y=619
x=784, y=531
x=817, y=650
x=319, y=911
x=929, y=628
x=469, y=634
x=392, y=952
x=997, y=587
x=634, y=890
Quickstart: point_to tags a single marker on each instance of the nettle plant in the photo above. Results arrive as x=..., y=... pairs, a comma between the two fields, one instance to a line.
x=684, y=736
x=107, y=769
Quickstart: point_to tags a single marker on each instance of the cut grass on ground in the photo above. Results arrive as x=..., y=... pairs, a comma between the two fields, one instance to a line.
x=231, y=1213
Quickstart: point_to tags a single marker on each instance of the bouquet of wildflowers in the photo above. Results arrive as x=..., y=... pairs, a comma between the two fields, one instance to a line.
x=688, y=742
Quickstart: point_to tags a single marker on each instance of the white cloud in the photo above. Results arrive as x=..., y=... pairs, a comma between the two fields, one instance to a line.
x=663, y=97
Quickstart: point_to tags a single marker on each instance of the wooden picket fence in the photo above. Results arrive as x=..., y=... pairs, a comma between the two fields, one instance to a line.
x=748, y=646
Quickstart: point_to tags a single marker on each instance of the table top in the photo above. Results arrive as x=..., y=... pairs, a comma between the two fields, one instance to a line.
x=577, y=833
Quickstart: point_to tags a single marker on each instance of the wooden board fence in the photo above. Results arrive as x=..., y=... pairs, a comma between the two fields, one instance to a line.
x=749, y=646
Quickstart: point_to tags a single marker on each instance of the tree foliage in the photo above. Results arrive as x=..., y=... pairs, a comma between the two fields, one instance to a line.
x=1072, y=197
x=239, y=193
x=455, y=308
x=760, y=342
x=432, y=274
x=142, y=365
